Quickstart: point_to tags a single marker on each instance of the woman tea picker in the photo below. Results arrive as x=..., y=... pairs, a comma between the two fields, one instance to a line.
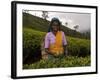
x=55, y=41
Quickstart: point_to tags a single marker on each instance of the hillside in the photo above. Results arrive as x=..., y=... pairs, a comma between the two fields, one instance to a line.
x=40, y=24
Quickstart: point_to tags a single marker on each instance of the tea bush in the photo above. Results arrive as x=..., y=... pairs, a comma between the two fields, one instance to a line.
x=69, y=61
x=32, y=41
x=78, y=47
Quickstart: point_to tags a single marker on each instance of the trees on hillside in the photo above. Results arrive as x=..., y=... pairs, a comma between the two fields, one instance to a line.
x=76, y=27
x=45, y=15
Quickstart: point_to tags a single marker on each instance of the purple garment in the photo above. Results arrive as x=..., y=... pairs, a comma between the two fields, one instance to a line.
x=50, y=38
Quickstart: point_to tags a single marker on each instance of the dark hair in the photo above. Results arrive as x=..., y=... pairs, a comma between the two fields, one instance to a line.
x=51, y=23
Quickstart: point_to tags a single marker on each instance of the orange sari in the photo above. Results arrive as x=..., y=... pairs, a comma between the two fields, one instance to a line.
x=57, y=48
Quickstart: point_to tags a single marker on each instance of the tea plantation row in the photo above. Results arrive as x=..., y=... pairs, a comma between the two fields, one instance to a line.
x=32, y=40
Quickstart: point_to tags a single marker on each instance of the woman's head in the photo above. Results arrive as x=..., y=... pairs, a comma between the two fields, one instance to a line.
x=55, y=24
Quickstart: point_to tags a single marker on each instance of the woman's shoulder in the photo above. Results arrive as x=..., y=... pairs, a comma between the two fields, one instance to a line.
x=62, y=32
x=48, y=33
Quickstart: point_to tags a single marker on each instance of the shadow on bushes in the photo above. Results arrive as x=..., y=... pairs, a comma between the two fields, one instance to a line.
x=32, y=56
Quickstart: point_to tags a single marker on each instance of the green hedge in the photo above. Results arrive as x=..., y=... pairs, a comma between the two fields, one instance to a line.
x=32, y=41
x=70, y=61
x=78, y=47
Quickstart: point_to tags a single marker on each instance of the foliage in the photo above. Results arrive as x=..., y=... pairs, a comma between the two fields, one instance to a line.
x=78, y=47
x=32, y=40
x=34, y=22
x=45, y=15
x=69, y=61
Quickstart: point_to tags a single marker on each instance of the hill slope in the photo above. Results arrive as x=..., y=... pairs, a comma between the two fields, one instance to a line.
x=40, y=24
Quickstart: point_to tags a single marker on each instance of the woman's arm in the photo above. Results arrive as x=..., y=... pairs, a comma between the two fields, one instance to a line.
x=46, y=43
